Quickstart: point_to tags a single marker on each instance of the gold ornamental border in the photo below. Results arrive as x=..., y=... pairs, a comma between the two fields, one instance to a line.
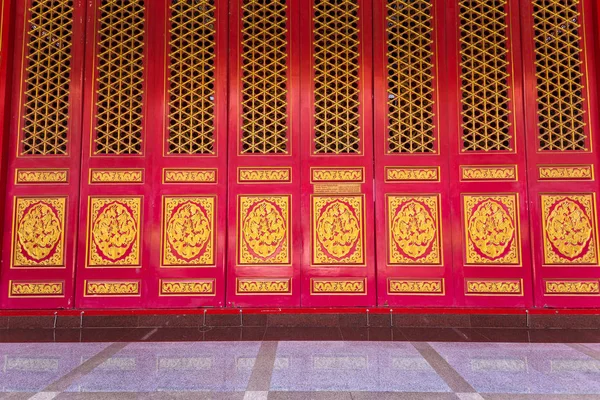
x=362, y=282
x=431, y=174
x=33, y=284
x=117, y=284
x=314, y=171
x=182, y=293
x=593, y=286
x=116, y=176
x=266, y=171
x=287, y=282
x=485, y=173
x=566, y=172
x=426, y=281
x=203, y=175
x=41, y=176
x=503, y=291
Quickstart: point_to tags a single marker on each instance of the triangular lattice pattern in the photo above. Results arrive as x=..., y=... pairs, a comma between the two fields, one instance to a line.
x=46, y=113
x=264, y=77
x=336, y=76
x=120, y=77
x=485, y=79
x=192, y=77
x=559, y=77
x=410, y=78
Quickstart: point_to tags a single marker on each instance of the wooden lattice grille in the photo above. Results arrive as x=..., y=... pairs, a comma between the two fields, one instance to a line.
x=47, y=78
x=410, y=76
x=336, y=76
x=559, y=77
x=484, y=74
x=120, y=81
x=264, y=77
x=192, y=77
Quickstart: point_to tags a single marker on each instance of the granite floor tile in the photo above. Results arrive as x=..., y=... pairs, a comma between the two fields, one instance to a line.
x=280, y=333
x=370, y=334
x=504, y=335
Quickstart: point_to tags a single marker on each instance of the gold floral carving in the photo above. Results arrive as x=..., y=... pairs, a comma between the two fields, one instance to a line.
x=265, y=175
x=569, y=228
x=39, y=229
x=573, y=287
x=416, y=286
x=114, y=231
x=188, y=237
x=494, y=287
x=116, y=288
x=36, y=289
x=412, y=174
x=263, y=231
x=30, y=176
x=566, y=172
x=187, y=287
x=190, y=175
x=116, y=176
x=414, y=236
x=338, y=236
x=333, y=286
x=491, y=229
x=337, y=175
x=489, y=173
x=265, y=286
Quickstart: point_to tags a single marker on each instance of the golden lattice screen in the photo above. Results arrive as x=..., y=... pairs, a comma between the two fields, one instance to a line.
x=264, y=77
x=192, y=77
x=484, y=75
x=47, y=78
x=120, y=81
x=336, y=55
x=410, y=76
x=559, y=77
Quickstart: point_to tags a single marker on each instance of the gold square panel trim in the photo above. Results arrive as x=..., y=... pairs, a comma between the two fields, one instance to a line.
x=398, y=286
x=121, y=288
x=187, y=287
x=332, y=287
x=41, y=176
x=571, y=287
x=494, y=287
x=263, y=286
x=36, y=289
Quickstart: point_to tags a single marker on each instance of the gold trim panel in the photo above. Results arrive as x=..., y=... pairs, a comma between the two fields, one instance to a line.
x=416, y=286
x=566, y=172
x=495, y=287
x=112, y=288
x=572, y=287
x=259, y=175
x=24, y=289
x=473, y=173
x=109, y=176
x=263, y=286
x=412, y=174
x=41, y=176
x=187, y=287
x=338, y=286
x=321, y=175
x=189, y=175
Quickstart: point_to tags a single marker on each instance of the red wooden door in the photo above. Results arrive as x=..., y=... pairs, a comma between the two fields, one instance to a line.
x=414, y=259
x=491, y=247
x=264, y=245
x=562, y=121
x=42, y=196
x=337, y=155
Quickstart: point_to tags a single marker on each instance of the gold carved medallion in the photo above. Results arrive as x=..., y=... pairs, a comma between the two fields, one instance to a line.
x=263, y=230
x=39, y=236
x=188, y=237
x=569, y=224
x=414, y=229
x=492, y=229
x=114, y=233
x=337, y=232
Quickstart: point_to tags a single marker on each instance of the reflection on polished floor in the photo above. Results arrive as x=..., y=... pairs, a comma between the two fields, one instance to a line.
x=466, y=370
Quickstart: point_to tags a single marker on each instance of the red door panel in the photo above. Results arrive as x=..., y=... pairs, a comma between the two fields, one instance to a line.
x=562, y=118
x=42, y=194
x=414, y=259
x=264, y=237
x=337, y=155
x=491, y=247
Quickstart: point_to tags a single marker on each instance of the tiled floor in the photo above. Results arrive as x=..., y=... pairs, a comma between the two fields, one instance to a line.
x=154, y=365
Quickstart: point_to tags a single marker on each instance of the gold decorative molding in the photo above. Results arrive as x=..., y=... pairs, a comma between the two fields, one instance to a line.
x=484, y=287
x=36, y=289
x=110, y=175
x=41, y=176
x=112, y=288
x=264, y=286
x=189, y=175
x=572, y=287
x=321, y=175
x=566, y=172
x=253, y=175
x=416, y=286
x=187, y=287
x=412, y=174
x=488, y=173
x=338, y=286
